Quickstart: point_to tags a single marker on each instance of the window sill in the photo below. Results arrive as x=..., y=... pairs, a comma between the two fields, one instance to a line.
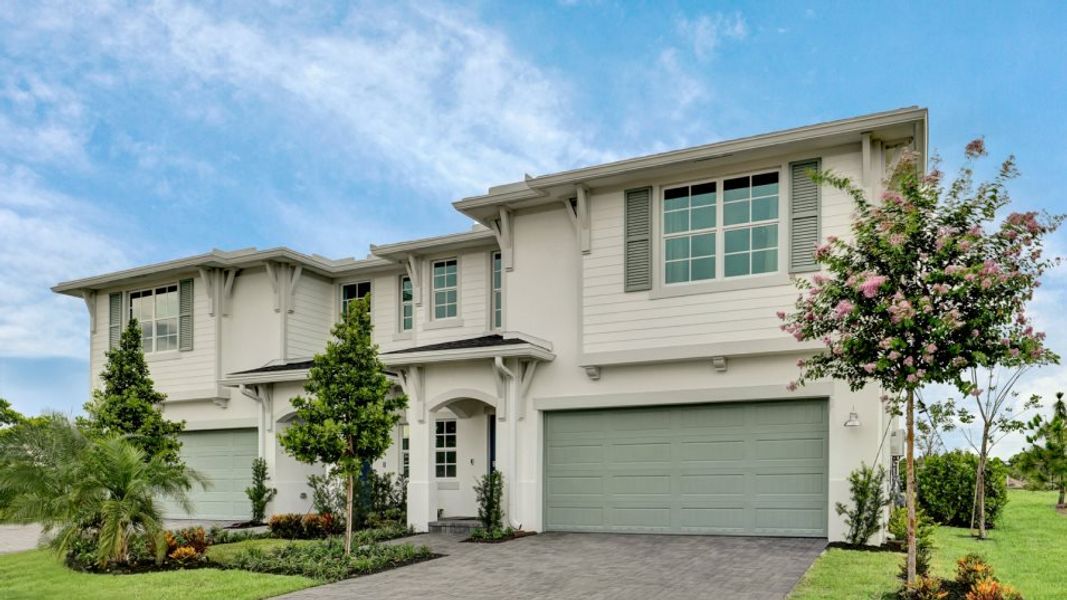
x=162, y=356
x=449, y=484
x=722, y=285
x=444, y=323
x=402, y=337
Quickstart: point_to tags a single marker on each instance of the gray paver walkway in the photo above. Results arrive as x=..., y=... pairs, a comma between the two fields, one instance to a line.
x=16, y=538
x=590, y=566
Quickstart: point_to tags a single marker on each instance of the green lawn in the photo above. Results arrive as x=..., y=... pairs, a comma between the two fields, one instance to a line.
x=223, y=553
x=1028, y=550
x=39, y=574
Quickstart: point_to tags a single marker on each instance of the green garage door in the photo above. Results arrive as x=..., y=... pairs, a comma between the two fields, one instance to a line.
x=224, y=457
x=756, y=468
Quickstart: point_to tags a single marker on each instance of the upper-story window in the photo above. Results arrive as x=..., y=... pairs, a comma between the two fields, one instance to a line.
x=445, y=289
x=407, y=304
x=157, y=312
x=496, y=297
x=353, y=291
x=742, y=228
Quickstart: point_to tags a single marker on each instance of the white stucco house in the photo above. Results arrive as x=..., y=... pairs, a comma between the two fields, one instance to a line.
x=606, y=337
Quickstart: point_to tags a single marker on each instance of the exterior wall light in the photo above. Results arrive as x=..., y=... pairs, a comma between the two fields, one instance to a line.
x=853, y=419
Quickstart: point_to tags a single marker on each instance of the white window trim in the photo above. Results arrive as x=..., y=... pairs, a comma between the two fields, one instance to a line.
x=402, y=333
x=661, y=289
x=154, y=355
x=492, y=296
x=454, y=449
x=432, y=322
x=404, y=453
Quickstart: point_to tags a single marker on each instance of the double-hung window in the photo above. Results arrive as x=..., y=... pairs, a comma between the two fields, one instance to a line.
x=353, y=291
x=445, y=289
x=711, y=235
x=497, y=292
x=407, y=304
x=445, y=448
x=157, y=312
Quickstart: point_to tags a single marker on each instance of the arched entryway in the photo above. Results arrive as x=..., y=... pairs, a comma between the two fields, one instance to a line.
x=463, y=438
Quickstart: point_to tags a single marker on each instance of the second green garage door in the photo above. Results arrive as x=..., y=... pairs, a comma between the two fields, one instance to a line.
x=756, y=468
x=224, y=457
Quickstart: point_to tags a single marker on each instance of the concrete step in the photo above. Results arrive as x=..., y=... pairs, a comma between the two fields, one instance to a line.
x=455, y=525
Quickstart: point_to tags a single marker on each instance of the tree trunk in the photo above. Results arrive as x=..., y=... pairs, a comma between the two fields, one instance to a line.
x=1063, y=492
x=348, y=519
x=909, y=492
x=979, y=483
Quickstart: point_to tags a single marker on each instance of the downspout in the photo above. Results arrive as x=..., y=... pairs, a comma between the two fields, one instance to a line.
x=261, y=427
x=513, y=431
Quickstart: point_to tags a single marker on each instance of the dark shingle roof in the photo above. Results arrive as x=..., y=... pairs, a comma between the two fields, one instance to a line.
x=293, y=366
x=485, y=341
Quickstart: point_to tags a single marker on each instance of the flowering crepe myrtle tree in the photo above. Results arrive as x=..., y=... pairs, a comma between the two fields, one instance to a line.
x=929, y=285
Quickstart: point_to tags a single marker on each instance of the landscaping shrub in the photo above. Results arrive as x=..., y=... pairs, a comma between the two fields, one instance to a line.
x=217, y=535
x=924, y=537
x=328, y=494
x=191, y=537
x=490, y=494
x=318, y=525
x=259, y=494
x=924, y=588
x=869, y=498
x=972, y=569
x=946, y=487
x=325, y=561
x=378, y=498
x=185, y=555
x=990, y=589
x=289, y=526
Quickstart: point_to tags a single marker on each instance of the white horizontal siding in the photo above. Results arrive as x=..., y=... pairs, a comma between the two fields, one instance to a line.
x=473, y=300
x=312, y=317
x=613, y=320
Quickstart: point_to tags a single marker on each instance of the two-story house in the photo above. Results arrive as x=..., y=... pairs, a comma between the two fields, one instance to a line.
x=606, y=337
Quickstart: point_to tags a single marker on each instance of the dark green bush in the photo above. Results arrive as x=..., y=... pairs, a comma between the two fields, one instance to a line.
x=259, y=494
x=490, y=494
x=325, y=561
x=217, y=535
x=869, y=499
x=946, y=487
x=924, y=537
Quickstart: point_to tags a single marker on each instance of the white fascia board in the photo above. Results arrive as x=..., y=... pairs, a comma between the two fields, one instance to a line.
x=268, y=377
x=534, y=185
x=436, y=356
x=219, y=258
x=465, y=239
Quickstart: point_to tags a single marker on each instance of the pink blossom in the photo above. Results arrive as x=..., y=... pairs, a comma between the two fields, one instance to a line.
x=1014, y=352
x=921, y=373
x=909, y=361
x=843, y=308
x=959, y=361
x=912, y=378
x=976, y=392
x=931, y=347
x=820, y=279
x=975, y=148
x=870, y=286
x=781, y=314
x=870, y=367
x=894, y=355
x=897, y=239
x=792, y=386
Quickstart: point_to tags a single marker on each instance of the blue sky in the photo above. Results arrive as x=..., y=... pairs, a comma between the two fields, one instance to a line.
x=141, y=132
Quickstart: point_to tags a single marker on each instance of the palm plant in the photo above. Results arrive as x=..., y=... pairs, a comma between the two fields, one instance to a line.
x=105, y=490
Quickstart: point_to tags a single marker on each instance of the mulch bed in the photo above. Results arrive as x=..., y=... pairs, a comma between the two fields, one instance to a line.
x=140, y=567
x=244, y=525
x=883, y=548
x=514, y=536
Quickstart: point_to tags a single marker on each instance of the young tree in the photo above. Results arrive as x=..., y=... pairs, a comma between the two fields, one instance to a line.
x=922, y=291
x=350, y=414
x=129, y=404
x=1045, y=462
x=935, y=419
x=8, y=415
x=259, y=494
x=995, y=415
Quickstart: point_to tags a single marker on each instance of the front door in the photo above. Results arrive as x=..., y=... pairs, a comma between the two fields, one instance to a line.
x=491, y=436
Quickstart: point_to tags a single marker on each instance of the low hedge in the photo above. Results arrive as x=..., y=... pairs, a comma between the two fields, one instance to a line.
x=325, y=560
x=946, y=487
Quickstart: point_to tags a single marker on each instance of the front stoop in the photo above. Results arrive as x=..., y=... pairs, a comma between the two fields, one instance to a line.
x=455, y=525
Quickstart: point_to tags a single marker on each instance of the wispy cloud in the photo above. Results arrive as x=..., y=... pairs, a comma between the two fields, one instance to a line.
x=47, y=237
x=705, y=33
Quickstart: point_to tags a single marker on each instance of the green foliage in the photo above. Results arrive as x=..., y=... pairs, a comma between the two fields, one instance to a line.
x=129, y=405
x=326, y=560
x=259, y=494
x=971, y=569
x=218, y=535
x=328, y=494
x=98, y=496
x=946, y=487
x=492, y=535
x=924, y=537
x=924, y=588
x=1045, y=462
x=386, y=498
x=490, y=494
x=349, y=416
x=869, y=499
x=8, y=415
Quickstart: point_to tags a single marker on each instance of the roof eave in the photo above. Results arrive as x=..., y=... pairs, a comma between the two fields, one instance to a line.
x=525, y=350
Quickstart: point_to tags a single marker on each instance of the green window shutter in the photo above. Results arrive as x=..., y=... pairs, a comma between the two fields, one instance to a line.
x=185, y=315
x=804, y=217
x=114, y=320
x=637, y=257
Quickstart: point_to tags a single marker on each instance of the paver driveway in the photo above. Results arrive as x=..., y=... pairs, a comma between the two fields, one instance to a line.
x=16, y=538
x=591, y=566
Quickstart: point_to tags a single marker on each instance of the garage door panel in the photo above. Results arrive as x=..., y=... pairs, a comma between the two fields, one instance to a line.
x=736, y=469
x=224, y=458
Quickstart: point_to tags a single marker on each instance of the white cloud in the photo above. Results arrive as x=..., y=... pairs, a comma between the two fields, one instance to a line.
x=40, y=122
x=47, y=237
x=706, y=33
